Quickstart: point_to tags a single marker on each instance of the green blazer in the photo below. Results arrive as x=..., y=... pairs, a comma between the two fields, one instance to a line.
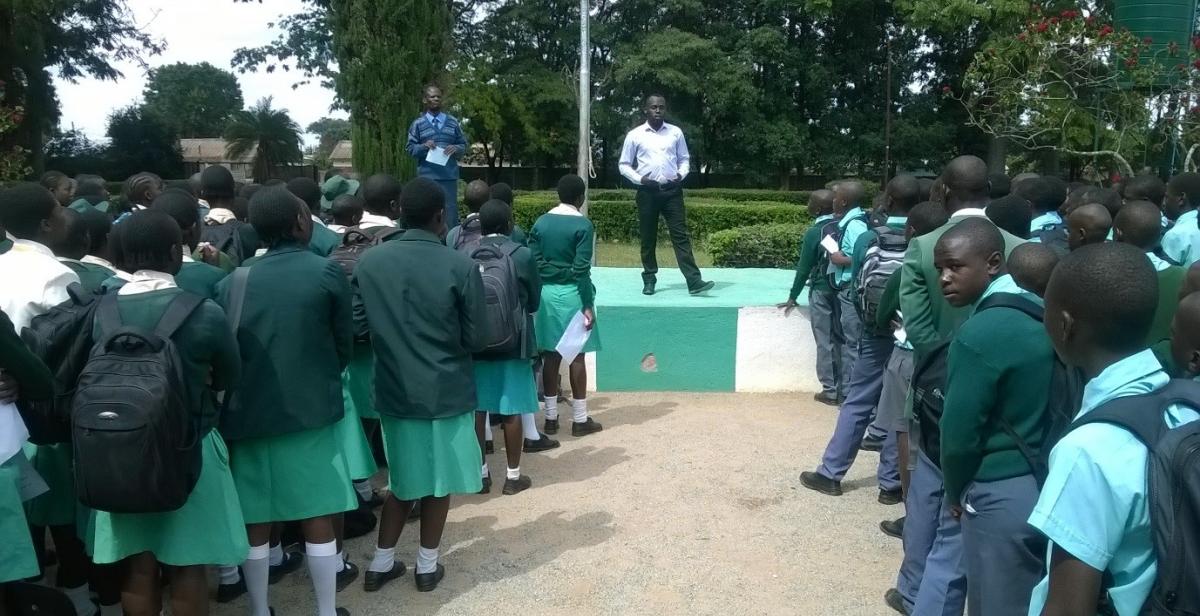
x=199, y=278
x=423, y=303
x=324, y=240
x=928, y=319
x=91, y=276
x=295, y=338
x=32, y=375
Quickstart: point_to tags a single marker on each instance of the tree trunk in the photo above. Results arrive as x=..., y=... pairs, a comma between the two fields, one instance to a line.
x=997, y=156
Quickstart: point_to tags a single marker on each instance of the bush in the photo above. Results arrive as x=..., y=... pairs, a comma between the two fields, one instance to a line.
x=772, y=245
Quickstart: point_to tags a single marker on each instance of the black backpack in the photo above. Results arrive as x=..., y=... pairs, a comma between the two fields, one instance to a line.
x=62, y=339
x=470, y=234
x=1054, y=236
x=137, y=447
x=837, y=231
x=884, y=257
x=226, y=238
x=1173, y=490
x=354, y=243
x=929, y=383
x=822, y=267
x=506, y=316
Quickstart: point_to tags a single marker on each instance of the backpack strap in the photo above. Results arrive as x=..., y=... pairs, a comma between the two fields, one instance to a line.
x=237, y=297
x=1132, y=412
x=108, y=314
x=176, y=313
x=1014, y=301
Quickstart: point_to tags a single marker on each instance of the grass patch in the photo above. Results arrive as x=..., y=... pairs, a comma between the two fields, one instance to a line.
x=626, y=254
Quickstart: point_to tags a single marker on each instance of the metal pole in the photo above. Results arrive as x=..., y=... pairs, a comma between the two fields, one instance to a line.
x=584, y=160
x=887, y=131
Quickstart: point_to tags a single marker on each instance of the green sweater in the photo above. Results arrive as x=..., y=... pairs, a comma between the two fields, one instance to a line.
x=33, y=377
x=562, y=248
x=1000, y=365
x=1169, y=282
x=200, y=278
x=91, y=276
x=206, y=347
x=324, y=240
x=810, y=252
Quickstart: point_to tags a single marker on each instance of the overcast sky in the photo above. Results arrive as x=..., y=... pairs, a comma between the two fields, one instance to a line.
x=196, y=31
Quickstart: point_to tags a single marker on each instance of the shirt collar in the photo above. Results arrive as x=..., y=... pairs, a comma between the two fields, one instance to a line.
x=187, y=255
x=969, y=211
x=650, y=129
x=318, y=220
x=20, y=245
x=1159, y=264
x=566, y=210
x=375, y=220
x=440, y=117
x=144, y=281
x=94, y=260
x=823, y=218
x=1137, y=374
x=1002, y=284
x=10, y=237
x=220, y=215
x=66, y=260
x=420, y=235
x=1045, y=220
x=336, y=228
x=897, y=222
x=1186, y=216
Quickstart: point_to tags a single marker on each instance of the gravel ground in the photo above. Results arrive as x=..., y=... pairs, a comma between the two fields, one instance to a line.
x=685, y=504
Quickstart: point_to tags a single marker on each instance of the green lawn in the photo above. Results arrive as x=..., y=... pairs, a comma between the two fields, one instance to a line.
x=625, y=254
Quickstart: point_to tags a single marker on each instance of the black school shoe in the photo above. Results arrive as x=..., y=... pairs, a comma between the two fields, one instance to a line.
x=229, y=592
x=648, y=288
x=341, y=611
x=550, y=427
x=827, y=399
x=374, y=580
x=584, y=428
x=516, y=486
x=291, y=562
x=426, y=582
x=893, y=528
x=702, y=287
x=821, y=483
x=544, y=443
x=871, y=443
x=891, y=497
x=346, y=576
x=893, y=600
x=487, y=486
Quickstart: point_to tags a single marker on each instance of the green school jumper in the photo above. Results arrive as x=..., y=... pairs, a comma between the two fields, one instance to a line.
x=1169, y=282
x=91, y=276
x=17, y=558
x=324, y=240
x=425, y=306
x=561, y=241
x=208, y=529
x=199, y=278
x=295, y=339
x=506, y=386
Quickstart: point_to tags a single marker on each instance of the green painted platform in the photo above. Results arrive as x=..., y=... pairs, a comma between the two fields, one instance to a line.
x=736, y=288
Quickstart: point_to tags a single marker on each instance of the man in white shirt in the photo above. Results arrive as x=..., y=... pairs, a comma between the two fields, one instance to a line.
x=655, y=159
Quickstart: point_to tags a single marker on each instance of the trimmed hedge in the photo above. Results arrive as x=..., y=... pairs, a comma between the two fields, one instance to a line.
x=772, y=245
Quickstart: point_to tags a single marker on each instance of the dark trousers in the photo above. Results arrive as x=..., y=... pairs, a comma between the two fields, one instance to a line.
x=668, y=203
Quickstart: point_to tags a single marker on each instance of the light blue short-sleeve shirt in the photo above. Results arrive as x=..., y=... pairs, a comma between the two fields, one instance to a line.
x=1048, y=220
x=1094, y=504
x=1182, y=242
x=852, y=227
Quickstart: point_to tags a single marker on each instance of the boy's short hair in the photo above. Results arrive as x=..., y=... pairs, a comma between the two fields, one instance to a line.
x=422, y=199
x=273, y=213
x=1145, y=187
x=495, y=217
x=571, y=189
x=183, y=185
x=1031, y=265
x=982, y=236
x=179, y=205
x=1111, y=288
x=503, y=192
x=247, y=191
x=99, y=226
x=1012, y=213
x=307, y=190
x=905, y=192
x=52, y=179
x=347, y=208
x=216, y=182
x=478, y=192
x=1041, y=194
x=75, y=240
x=1109, y=198
x=1139, y=223
x=23, y=207
x=148, y=240
x=926, y=217
x=998, y=185
x=88, y=185
x=380, y=192
x=1187, y=184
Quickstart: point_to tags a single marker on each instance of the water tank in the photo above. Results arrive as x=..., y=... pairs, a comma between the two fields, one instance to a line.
x=1163, y=21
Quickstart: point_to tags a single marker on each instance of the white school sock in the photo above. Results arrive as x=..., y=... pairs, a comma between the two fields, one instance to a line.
x=323, y=564
x=579, y=408
x=277, y=555
x=365, y=489
x=384, y=559
x=426, y=559
x=487, y=427
x=112, y=610
x=514, y=473
x=257, y=570
x=342, y=560
x=81, y=598
x=228, y=575
x=485, y=472
x=529, y=427
x=550, y=404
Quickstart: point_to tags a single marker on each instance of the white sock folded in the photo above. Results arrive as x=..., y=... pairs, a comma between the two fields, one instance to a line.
x=485, y=472
x=228, y=575
x=426, y=559
x=514, y=473
x=365, y=489
x=257, y=570
x=579, y=409
x=323, y=565
x=550, y=404
x=487, y=427
x=383, y=560
x=342, y=560
x=81, y=598
x=276, y=555
x=529, y=427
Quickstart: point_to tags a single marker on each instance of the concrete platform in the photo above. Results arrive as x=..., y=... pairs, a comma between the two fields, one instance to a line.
x=729, y=339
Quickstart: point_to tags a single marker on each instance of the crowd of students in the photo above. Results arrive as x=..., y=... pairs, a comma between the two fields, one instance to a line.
x=311, y=331
x=1011, y=359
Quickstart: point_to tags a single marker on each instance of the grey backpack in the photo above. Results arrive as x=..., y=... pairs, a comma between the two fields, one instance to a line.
x=884, y=257
x=469, y=235
x=502, y=293
x=1173, y=491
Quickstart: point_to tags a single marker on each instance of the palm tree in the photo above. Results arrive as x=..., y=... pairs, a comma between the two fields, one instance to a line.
x=270, y=134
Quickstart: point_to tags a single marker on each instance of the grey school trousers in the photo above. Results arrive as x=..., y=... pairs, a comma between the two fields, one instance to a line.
x=823, y=315
x=1006, y=557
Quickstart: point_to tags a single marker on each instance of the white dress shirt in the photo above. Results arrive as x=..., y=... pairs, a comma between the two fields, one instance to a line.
x=660, y=154
x=34, y=282
x=374, y=220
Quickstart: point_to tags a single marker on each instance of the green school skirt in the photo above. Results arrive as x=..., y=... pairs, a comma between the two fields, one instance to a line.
x=506, y=387
x=207, y=530
x=293, y=476
x=560, y=302
x=351, y=436
x=17, y=559
x=361, y=383
x=432, y=457
x=54, y=464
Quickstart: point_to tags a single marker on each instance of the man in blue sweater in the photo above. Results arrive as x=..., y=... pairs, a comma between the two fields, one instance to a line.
x=435, y=135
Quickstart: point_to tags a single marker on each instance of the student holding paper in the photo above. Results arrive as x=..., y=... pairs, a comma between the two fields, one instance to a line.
x=561, y=241
x=436, y=140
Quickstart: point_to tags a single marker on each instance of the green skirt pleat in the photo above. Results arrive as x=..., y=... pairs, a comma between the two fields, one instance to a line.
x=207, y=530
x=506, y=387
x=361, y=384
x=352, y=438
x=17, y=559
x=293, y=476
x=559, y=304
x=432, y=457
x=57, y=506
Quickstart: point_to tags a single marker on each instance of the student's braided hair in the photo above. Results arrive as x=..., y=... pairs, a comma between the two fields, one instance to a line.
x=136, y=189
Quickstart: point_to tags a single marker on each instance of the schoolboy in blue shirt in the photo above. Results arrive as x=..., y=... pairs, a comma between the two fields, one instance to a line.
x=1094, y=506
x=847, y=197
x=1182, y=243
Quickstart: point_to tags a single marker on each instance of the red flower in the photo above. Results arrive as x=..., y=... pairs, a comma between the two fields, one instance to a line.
x=17, y=118
x=1053, y=20
x=945, y=89
x=1069, y=14
x=1091, y=19
x=1041, y=27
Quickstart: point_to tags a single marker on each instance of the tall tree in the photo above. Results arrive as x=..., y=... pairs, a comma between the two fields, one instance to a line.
x=330, y=131
x=140, y=142
x=194, y=99
x=269, y=133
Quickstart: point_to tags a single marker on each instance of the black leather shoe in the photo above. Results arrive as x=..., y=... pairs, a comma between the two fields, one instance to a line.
x=893, y=600
x=871, y=443
x=821, y=483
x=291, y=562
x=346, y=576
x=429, y=581
x=229, y=592
x=374, y=580
x=702, y=287
x=544, y=443
x=341, y=611
x=584, y=428
x=890, y=497
x=489, y=447
x=551, y=426
x=487, y=486
x=825, y=398
x=648, y=289
x=893, y=528
x=515, y=486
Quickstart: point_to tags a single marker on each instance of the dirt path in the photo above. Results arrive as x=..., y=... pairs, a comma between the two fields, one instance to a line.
x=685, y=504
